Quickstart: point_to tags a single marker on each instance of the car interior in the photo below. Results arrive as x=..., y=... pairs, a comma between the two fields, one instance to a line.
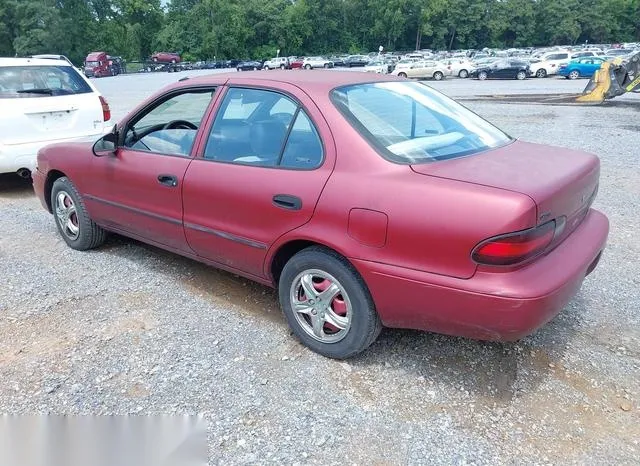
x=253, y=126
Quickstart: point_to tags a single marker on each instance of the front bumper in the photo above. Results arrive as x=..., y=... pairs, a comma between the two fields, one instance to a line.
x=501, y=306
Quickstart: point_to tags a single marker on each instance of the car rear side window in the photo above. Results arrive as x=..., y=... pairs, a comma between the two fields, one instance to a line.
x=40, y=81
x=408, y=122
x=263, y=128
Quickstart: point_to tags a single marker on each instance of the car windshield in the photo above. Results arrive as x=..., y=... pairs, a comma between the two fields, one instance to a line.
x=408, y=122
x=40, y=81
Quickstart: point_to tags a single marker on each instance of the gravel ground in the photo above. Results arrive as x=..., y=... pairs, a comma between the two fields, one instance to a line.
x=132, y=329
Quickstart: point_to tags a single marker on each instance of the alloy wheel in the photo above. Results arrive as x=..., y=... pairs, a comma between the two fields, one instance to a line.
x=321, y=306
x=67, y=215
x=574, y=75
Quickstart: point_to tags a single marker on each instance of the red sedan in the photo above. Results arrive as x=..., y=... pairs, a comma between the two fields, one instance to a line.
x=367, y=200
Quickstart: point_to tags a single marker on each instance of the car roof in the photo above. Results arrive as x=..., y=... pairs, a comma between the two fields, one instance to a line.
x=312, y=80
x=32, y=62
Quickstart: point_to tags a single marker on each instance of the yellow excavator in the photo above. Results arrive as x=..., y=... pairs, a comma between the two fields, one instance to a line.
x=615, y=77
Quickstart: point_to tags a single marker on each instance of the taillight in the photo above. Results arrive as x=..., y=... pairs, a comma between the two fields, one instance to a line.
x=106, y=111
x=517, y=247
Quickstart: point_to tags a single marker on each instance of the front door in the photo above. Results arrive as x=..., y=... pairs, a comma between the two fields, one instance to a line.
x=139, y=190
x=259, y=176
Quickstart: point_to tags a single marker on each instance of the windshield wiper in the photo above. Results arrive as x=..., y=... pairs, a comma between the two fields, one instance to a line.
x=36, y=91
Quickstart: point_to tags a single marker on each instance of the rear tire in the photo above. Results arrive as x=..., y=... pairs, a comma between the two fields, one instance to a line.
x=282, y=67
x=482, y=75
x=351, y=304
x=521, y=75
x=326, y=65
x=402, y=75
x=438, y=76
x=541, y=73
x=463, y=74
x=307, y=67
x=73, y=223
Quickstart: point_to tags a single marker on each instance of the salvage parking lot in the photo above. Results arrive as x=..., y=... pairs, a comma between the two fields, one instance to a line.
x=128, y=328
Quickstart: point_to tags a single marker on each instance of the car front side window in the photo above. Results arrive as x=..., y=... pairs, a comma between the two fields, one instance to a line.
x=170, y=126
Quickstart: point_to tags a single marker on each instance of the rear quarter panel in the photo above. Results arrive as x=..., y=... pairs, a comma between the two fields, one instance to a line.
x=433, y=223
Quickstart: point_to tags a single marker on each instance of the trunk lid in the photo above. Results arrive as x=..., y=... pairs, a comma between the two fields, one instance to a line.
x=562, y=182
x=47, y=118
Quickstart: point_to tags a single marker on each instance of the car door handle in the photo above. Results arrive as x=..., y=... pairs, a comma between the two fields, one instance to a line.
x=168, y=180
x=285, y=201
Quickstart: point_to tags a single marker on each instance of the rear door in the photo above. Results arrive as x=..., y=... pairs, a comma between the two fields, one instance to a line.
x=139, y=190
x=258, y=176
x=46, y=103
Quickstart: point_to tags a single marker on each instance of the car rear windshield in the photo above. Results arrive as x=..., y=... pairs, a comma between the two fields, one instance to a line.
x=40, y=81
x=409, y=123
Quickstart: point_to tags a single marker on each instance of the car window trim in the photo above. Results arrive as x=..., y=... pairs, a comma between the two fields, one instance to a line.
x=159, y=101
x=216, y=110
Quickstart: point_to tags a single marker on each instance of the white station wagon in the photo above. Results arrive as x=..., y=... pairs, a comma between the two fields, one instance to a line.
x=44, y=101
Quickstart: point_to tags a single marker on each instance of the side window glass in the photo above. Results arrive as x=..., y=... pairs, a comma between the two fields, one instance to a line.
x=250, y=127
x=303, y=149
x=171, y=126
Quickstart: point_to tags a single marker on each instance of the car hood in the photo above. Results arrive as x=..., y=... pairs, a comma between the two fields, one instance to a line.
x=562, y=182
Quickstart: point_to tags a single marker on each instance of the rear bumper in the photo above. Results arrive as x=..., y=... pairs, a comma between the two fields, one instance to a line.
x=16, y=156
x=503, y=306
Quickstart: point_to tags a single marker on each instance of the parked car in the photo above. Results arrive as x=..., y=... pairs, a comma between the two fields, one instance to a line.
x=422, y=69
x=277, y=62
x=44, y=101
x=231, y=63
x=581, y=68
x=356, y=60
x=377, y=66
x=459, y=67
x=499, y=254
x=338, y=60
x=619, y=52
x=502, y=69
x=296, y=63
x=249, y=65
x=548, y=63
x=165, y=57
x=316, y=62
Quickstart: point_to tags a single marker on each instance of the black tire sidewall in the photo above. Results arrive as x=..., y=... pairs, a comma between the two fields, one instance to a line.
x=63, y=184
x=364, y=317
x=85, y=238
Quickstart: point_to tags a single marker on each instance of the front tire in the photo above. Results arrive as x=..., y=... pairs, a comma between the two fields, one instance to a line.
x=327, y=304
x=73, y=223
x=541, y=73
x=574, y=75
x=463, y=74
x=438, y=76
x=402, y=75
x=482, y=75
x=307, y=67
x=521, y=75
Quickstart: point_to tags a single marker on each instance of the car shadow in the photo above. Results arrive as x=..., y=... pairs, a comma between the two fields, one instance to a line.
x=494, y=371
x=13, y=186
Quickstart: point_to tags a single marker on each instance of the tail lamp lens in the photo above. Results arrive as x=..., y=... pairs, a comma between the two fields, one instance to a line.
x=514, y=248
x=106, y=111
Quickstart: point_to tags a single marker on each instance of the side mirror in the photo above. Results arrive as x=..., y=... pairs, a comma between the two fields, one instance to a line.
x=107, y=144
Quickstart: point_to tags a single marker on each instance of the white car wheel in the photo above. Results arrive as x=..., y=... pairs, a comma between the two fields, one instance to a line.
x=541, y=73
